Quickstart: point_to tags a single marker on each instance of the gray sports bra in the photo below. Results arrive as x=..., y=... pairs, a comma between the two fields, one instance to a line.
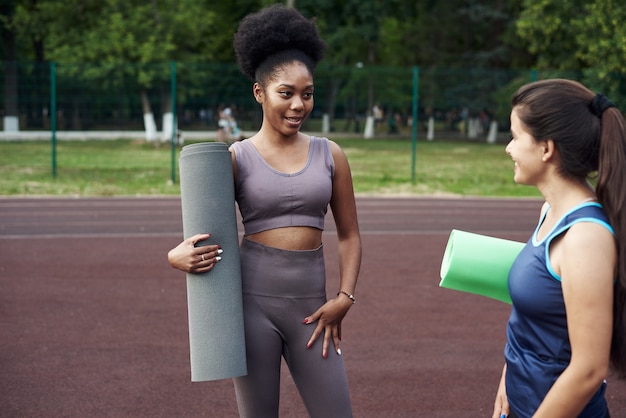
x=270, y=199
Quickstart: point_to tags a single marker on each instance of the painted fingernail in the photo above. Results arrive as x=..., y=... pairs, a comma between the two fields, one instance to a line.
x=218, y=258
x=339, y=351
x=305, y=321
x=220, y=251
x=325, y=355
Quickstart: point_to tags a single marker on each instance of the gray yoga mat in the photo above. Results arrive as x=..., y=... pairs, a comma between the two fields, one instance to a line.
x=216, y=335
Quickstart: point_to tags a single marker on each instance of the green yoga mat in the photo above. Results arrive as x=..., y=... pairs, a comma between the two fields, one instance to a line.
x=214, y=299
x=479, y=264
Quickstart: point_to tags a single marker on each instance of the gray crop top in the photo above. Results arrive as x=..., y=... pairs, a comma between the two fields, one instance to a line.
x=270, y=199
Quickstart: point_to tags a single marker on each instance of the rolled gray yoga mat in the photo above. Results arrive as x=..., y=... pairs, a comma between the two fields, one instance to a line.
x=216, y=334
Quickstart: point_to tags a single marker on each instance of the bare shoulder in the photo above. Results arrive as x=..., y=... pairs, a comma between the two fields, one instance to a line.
x=589, y=247
x=336, y=151
x=589, y=236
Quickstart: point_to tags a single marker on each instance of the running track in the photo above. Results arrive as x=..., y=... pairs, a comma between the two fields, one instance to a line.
x=93, y=321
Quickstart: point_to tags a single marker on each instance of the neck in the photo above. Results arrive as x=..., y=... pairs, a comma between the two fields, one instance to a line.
x=562, y=195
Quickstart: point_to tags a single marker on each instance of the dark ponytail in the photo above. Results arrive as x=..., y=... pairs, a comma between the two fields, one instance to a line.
x=611, y=192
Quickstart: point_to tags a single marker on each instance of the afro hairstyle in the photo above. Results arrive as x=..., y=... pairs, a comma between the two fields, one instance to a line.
x=274, y=36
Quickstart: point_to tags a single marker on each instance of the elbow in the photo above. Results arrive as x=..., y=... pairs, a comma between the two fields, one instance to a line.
x=351, y=235
x=592, y=374
x=598, y=374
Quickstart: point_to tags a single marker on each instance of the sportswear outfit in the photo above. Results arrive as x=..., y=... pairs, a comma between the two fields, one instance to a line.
x=538, y=347
x=282, y=287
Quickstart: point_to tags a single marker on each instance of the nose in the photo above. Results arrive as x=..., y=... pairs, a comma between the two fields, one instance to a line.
x=297, y=103
x=508, y=147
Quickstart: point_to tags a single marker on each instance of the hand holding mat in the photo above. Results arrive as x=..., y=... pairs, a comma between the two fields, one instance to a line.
x=216, y=334
x=479, y=264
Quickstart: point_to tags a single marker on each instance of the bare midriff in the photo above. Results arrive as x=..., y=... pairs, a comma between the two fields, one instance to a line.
x=293, y=238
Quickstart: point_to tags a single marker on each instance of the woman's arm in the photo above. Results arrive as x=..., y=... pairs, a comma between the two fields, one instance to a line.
x=501, y=404
x=585, y=259
x=343, y=206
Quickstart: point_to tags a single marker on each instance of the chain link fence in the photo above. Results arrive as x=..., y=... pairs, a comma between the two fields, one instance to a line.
x=109, y=97
x=50, y=101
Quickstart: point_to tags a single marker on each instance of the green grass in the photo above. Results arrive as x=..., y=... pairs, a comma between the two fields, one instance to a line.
x=441, y=168
x=380, y=166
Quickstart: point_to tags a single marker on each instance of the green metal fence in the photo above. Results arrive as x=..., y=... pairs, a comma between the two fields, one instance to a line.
x=113, y=98
x=55, y=101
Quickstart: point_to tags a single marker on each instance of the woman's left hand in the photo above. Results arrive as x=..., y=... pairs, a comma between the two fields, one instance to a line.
x=328, y=318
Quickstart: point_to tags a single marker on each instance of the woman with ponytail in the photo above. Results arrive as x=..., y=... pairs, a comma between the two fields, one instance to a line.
x=568, y=285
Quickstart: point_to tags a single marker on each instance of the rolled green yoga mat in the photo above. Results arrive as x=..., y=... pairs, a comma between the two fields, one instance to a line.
x=216, y=334
x=479, y=264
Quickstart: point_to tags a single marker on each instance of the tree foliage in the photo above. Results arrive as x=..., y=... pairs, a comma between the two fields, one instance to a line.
x=114, y=33
x=588, y=36
x=136, y=39
x=601, y=35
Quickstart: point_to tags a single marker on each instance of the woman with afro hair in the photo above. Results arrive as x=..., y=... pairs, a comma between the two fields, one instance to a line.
x=285, y=181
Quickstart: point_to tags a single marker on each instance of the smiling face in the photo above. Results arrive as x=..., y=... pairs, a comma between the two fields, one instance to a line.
x=527, y=153
x=287, y=99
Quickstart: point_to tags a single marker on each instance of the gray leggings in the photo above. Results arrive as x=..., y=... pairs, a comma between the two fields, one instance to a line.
x=280, y=289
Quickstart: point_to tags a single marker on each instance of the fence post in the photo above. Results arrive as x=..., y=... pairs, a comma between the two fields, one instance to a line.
x=415, y=121
x=53, y=116
x=174, y=124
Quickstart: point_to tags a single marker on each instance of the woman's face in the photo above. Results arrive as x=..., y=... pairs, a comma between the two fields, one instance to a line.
x=287, y=99
x=526, y=152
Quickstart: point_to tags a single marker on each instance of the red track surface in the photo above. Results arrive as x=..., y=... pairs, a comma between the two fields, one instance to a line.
x=93, y=321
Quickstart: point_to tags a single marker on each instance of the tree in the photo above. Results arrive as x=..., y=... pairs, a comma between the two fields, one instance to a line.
x=546, y=27
x=11, y=113
x=122, y=39
x=578, y=35
x=601, y=38
x=456, y=33
x=351, y=30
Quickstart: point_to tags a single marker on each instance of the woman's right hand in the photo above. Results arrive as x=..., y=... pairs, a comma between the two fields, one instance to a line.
x=501, y=404
x=191, y=259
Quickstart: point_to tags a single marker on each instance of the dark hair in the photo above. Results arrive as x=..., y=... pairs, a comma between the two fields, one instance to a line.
x=267, y=40
x=587, y=140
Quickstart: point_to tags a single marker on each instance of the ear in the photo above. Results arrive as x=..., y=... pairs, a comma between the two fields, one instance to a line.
x=548, y=150
x=257, y=91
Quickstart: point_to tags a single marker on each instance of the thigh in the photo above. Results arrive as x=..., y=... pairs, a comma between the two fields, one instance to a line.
x=321, y=382
x=258, y=392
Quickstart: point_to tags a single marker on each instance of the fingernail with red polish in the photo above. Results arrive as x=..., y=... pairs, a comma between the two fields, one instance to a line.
x=305, y=321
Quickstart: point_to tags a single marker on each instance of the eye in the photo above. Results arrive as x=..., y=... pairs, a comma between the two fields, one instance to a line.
x=285, y=93
x=308, y=95
x=511, y=137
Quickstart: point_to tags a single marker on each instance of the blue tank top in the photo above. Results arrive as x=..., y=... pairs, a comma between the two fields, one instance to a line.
x=271, y=199
x=538, y=348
